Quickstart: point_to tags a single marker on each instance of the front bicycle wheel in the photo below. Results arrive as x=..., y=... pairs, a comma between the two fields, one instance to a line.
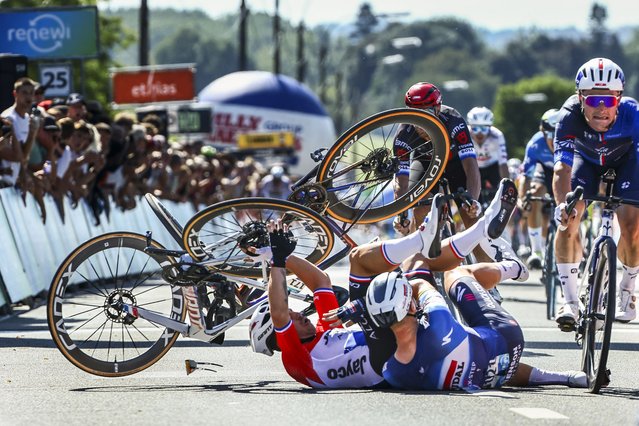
x=359, y=169
x=170, y=223
x=549, y=275
x=220, y=233
x=599, y=315
x=83, y=310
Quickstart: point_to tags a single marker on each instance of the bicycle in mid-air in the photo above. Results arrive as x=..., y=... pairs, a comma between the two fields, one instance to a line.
x=119, y=301
x=597, y=291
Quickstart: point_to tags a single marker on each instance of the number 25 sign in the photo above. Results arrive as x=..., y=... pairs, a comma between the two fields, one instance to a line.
x=57, y=79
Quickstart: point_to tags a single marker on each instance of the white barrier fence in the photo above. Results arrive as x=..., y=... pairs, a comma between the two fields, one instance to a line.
x=30, y=251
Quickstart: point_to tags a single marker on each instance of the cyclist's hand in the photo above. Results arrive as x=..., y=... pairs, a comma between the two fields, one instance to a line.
x=332, y=318
x=561, y=216
x=523, y=206
x=282, y=242
x=401, y=224
x=474, y=210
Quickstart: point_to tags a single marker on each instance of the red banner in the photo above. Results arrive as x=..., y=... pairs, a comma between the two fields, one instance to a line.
x=148, y=86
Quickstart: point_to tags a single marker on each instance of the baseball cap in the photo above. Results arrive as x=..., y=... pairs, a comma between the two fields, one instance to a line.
x=75, y=98
x=50, y=123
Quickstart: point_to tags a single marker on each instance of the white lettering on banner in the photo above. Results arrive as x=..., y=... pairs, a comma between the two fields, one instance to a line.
x=35, y=36
x=153, y=88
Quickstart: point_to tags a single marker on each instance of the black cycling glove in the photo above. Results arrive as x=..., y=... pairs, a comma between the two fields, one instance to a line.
x=282, y=245
x=352, y=311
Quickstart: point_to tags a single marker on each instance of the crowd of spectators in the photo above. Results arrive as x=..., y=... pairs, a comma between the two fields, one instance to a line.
x=72, y=148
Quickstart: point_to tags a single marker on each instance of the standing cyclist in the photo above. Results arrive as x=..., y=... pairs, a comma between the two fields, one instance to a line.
x=597, y=130
x=537, y=177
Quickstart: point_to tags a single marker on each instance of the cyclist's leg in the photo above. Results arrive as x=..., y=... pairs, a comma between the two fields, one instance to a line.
x=626, y=186
x=568, y=251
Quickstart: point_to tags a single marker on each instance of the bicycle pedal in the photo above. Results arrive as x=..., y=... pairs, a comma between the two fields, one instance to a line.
x=567, y=327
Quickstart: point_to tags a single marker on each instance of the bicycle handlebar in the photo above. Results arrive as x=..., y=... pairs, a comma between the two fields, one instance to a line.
x=572, y=198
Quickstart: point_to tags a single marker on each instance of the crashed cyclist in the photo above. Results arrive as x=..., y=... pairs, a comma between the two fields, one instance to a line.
x=333, y=357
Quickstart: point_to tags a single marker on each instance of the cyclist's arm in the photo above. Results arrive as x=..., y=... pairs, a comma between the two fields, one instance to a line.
x=561, y=181
x=401, y=185
x=278, y=297
x=473, y=184
x=309, y=274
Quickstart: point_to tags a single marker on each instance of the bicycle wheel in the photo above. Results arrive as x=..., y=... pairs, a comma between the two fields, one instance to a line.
x=549, y=275
x=170, y=223
x=84, y=321
x=599, y=316
x=220, y=232
x=359, y=169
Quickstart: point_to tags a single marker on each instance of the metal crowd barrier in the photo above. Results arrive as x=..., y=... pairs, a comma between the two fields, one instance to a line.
x=30, y=251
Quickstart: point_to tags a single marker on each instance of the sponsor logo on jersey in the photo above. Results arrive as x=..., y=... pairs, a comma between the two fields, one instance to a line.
x=454, y=375
x=351, y=368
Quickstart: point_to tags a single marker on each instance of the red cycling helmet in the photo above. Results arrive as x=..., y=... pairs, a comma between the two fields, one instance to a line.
x=423, y=95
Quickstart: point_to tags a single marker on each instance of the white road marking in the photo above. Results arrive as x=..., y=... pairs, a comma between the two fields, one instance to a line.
x=491, y=393
x=538, y=413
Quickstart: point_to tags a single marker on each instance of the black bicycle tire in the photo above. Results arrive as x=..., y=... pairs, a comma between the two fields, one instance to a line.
x=441, y=147
x=549, y=277
x=56, y=320
x=597, y=374
x=193, y=245
x=169, y=222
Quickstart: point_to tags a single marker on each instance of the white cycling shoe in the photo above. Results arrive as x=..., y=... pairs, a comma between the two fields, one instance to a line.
x=498, y=213
x=567, y=316
x=577, y=379
x=429, y=229
x=626, y=306
x=499, y=250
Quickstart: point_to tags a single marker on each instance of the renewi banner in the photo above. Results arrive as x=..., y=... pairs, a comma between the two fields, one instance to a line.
x=50, y=32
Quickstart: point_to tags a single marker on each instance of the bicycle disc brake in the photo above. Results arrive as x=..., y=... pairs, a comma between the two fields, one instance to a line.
x=254, y=234
x=311, y=195
x=381, y=163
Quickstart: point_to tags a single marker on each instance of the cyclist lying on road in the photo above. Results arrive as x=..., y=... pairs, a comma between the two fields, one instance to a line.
x=323, y=356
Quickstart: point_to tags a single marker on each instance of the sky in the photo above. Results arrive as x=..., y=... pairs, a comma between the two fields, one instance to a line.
x=490, y=14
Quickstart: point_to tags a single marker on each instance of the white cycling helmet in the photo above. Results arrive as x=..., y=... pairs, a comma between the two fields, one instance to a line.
x=262, y=332
x=549, y=119
x=600, y=73
x=388, y=299
x=480, y=116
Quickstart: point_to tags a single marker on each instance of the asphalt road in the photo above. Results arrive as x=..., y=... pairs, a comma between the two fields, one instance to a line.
x=39, y=386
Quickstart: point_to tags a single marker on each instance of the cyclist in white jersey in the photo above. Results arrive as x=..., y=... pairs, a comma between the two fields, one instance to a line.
x=490, y=146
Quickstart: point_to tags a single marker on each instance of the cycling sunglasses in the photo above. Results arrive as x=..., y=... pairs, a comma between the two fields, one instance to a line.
x=608, y=101
x=480, y=129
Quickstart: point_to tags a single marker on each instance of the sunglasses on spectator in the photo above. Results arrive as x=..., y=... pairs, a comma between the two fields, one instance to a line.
x=480, y=129
x=607, y=100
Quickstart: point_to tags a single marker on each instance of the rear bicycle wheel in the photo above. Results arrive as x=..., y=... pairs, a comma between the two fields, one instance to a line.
x=170, y=223
x=82, y=308
x=359, y=169
x=220, y=232
x=599, y=316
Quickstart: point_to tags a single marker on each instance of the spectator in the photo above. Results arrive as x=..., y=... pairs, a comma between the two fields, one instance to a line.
x=25, y=126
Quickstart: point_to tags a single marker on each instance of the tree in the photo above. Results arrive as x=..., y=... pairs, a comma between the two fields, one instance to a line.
x=518, y=115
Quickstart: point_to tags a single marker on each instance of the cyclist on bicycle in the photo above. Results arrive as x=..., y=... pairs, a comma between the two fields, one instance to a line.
x=538, y=173
x=325, y=356
x=462, y=169
x=490, y=146
x=597, y=130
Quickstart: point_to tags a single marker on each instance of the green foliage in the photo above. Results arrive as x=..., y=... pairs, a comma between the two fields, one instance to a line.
x=518, y=118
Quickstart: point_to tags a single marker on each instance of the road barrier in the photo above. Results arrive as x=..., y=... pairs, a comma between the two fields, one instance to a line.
x=30, y=251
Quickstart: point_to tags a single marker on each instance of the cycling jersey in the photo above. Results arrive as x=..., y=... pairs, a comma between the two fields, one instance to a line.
x=591, y=153
x=336, y=358
x=537, y=152
x=493, y=150
x=270, y=188
x=461, y=146
x=573, y=134
x=449, y=355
